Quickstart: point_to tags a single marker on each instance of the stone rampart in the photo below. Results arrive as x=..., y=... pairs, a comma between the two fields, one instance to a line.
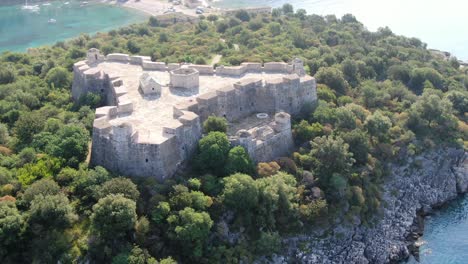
x=118, y=57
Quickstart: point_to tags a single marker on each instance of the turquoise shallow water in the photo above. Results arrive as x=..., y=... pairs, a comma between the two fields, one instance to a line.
x=446, y=235
x=21, y=29
x=441, y=24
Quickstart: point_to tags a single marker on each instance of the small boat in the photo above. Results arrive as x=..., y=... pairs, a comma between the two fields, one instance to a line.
x=46, y=4
x=52, y=21
x=33, y=8
x=66, y=3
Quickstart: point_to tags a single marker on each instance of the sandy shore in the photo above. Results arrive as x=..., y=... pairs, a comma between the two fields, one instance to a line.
x=157, y=7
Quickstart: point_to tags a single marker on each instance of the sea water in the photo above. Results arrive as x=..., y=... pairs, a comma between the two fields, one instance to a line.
x=22, y=29
x=440, y=24
x=445, y=239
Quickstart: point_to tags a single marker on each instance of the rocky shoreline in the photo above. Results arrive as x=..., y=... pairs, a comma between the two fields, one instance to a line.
x=423, y=184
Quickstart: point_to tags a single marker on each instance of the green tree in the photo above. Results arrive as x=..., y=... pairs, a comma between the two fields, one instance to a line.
x=378, y=125
x=243, y=15
x=274, y=28
x=160, y=213
x=459, y=100
x=4, y=134
x=12, y=225
x=331, y=155
x=277, y=202
x=135, y=256
x=269, y=243
x=6, y=75
x=358, y=142
x=119, y=185
x=113, y=217
x=399, y=73
x=420, y=75
x=345, y=119
x=213, y=151
x=45, y=167
x=51, y=212
x=27, y=126
x=240, y=194
x=287, y=9
x=70, y=143
x=42, y=187
x=133, y=47
x=433, y=116
x=239, y=161
x=181, y=197
x=350, y=71
x=213, y=124
x=191, y=229
x=333, y=78
x=306, y=132
x=58, y=77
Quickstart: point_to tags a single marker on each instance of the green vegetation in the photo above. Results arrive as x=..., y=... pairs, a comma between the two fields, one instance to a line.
x=382, y=99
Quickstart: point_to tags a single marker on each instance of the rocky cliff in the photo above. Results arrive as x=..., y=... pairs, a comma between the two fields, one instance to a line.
x=424, y=183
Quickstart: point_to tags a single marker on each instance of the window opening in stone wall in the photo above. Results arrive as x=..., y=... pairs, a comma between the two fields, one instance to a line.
x=95, y=56
x=146, y=160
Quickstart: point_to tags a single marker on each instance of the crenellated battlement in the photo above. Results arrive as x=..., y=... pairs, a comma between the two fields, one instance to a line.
x=155, y=111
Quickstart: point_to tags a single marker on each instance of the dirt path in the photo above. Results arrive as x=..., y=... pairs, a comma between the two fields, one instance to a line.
x=216, y=59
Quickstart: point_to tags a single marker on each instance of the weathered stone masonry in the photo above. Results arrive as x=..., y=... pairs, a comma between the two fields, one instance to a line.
x=153, y=134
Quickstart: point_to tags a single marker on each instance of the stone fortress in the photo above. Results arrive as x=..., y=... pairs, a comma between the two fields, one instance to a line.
x=153, y=121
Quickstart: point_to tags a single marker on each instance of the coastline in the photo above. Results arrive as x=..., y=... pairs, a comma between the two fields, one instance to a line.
x=422, y=186
x=158, y=7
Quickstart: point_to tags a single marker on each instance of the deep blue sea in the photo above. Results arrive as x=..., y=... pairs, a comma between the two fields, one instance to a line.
x=440, y=24
x=22, y=29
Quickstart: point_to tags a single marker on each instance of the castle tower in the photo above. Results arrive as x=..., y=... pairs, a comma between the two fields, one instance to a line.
x=93, y=56
x=282, y=122
x=298, y=67
x=187, y=78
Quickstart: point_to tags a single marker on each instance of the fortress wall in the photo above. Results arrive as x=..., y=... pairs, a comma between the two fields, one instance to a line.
x=203, y=69
x=225, y=101
x=207, y=105
x=265, y=99
x=89, y=80
x=189, y=135
x=252, y=67
x=154, y=66
x=280, y=67
x=246, y=99
x=231, y=71
x=309, y=89
x=138, y=60
x=79, y=87
x=288, y=95
x=144, y=160
x=279, y=145
x=118, y=57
